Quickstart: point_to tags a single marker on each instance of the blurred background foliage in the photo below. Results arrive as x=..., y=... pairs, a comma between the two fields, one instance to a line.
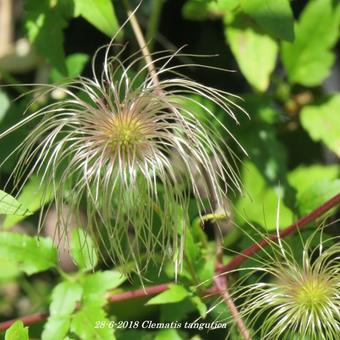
x=284, y=54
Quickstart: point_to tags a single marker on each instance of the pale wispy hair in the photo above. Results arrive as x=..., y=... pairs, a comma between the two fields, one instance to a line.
x=106, y=148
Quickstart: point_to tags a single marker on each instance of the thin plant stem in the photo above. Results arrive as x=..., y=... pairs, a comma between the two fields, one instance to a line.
x=142, y=44
x=255, y=247
x=221, y=285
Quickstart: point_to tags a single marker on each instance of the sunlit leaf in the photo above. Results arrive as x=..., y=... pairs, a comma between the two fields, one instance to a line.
x=254, y=51
x=17, y=331
x=100, y=13
x=95, y=286
x=205, y=9
x=174, y=293
x=31, y=254
x=44, y=25
x=308, y=59
x=33, y=196
x=323, y=122
x=84, y=324
x=315, y=185
x=10, y=206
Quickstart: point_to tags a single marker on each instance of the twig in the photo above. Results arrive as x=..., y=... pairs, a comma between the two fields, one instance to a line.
x=141, y=292
x=221, y=285
x=142, y=44
x=255, y=247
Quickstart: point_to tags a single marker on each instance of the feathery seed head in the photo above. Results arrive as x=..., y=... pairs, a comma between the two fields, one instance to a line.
x=108, y=143
x=293, y=298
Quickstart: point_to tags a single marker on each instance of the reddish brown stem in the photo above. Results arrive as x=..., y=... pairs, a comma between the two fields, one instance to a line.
x=221, y=285
x=153, y=290
x=27, y=320
x=141, y=292
x=255, y=247
x=134, y=294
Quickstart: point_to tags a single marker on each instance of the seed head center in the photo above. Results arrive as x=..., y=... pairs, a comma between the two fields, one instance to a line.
x=313, y=293
x=126, y=132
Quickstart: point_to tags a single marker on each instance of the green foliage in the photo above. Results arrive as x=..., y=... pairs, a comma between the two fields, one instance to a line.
x=83, y=250
x=273, y=16
x=259, y=204
x=205, y=9
x=247, y=40
x=75, y=64
x=83, y=324
x=17, y=332
x=30, y=254
x=309, y=58
x=99, y=13
x=96, y=285
x=10, y=206
x=33, y=196
x=282, y=56
x=315, y=185
x=323, y=122
x=64, y=298
x=175, y=293
x=45, y=23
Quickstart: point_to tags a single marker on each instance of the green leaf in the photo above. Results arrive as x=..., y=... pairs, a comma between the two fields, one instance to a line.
x=33, y=196
x=198, y=303
x=254, y=51
x=44, y=24
x=31, y=254
x=273, y=16
x=8, y=270
x=323, y=122
x=266, y=151
x=96, y=285
x=83, y=249
x=259, y=204
x=315, y=185
x=84, y=322
x=99, y=13
x=203, y=9
x=308, y=59
x=4, y=104
x=303, y=177
x=75, y=64
x=56, y=328
x=64, y=300
x=317, y=194
x=17, y=331
x=175, y=293
x=10, y=206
